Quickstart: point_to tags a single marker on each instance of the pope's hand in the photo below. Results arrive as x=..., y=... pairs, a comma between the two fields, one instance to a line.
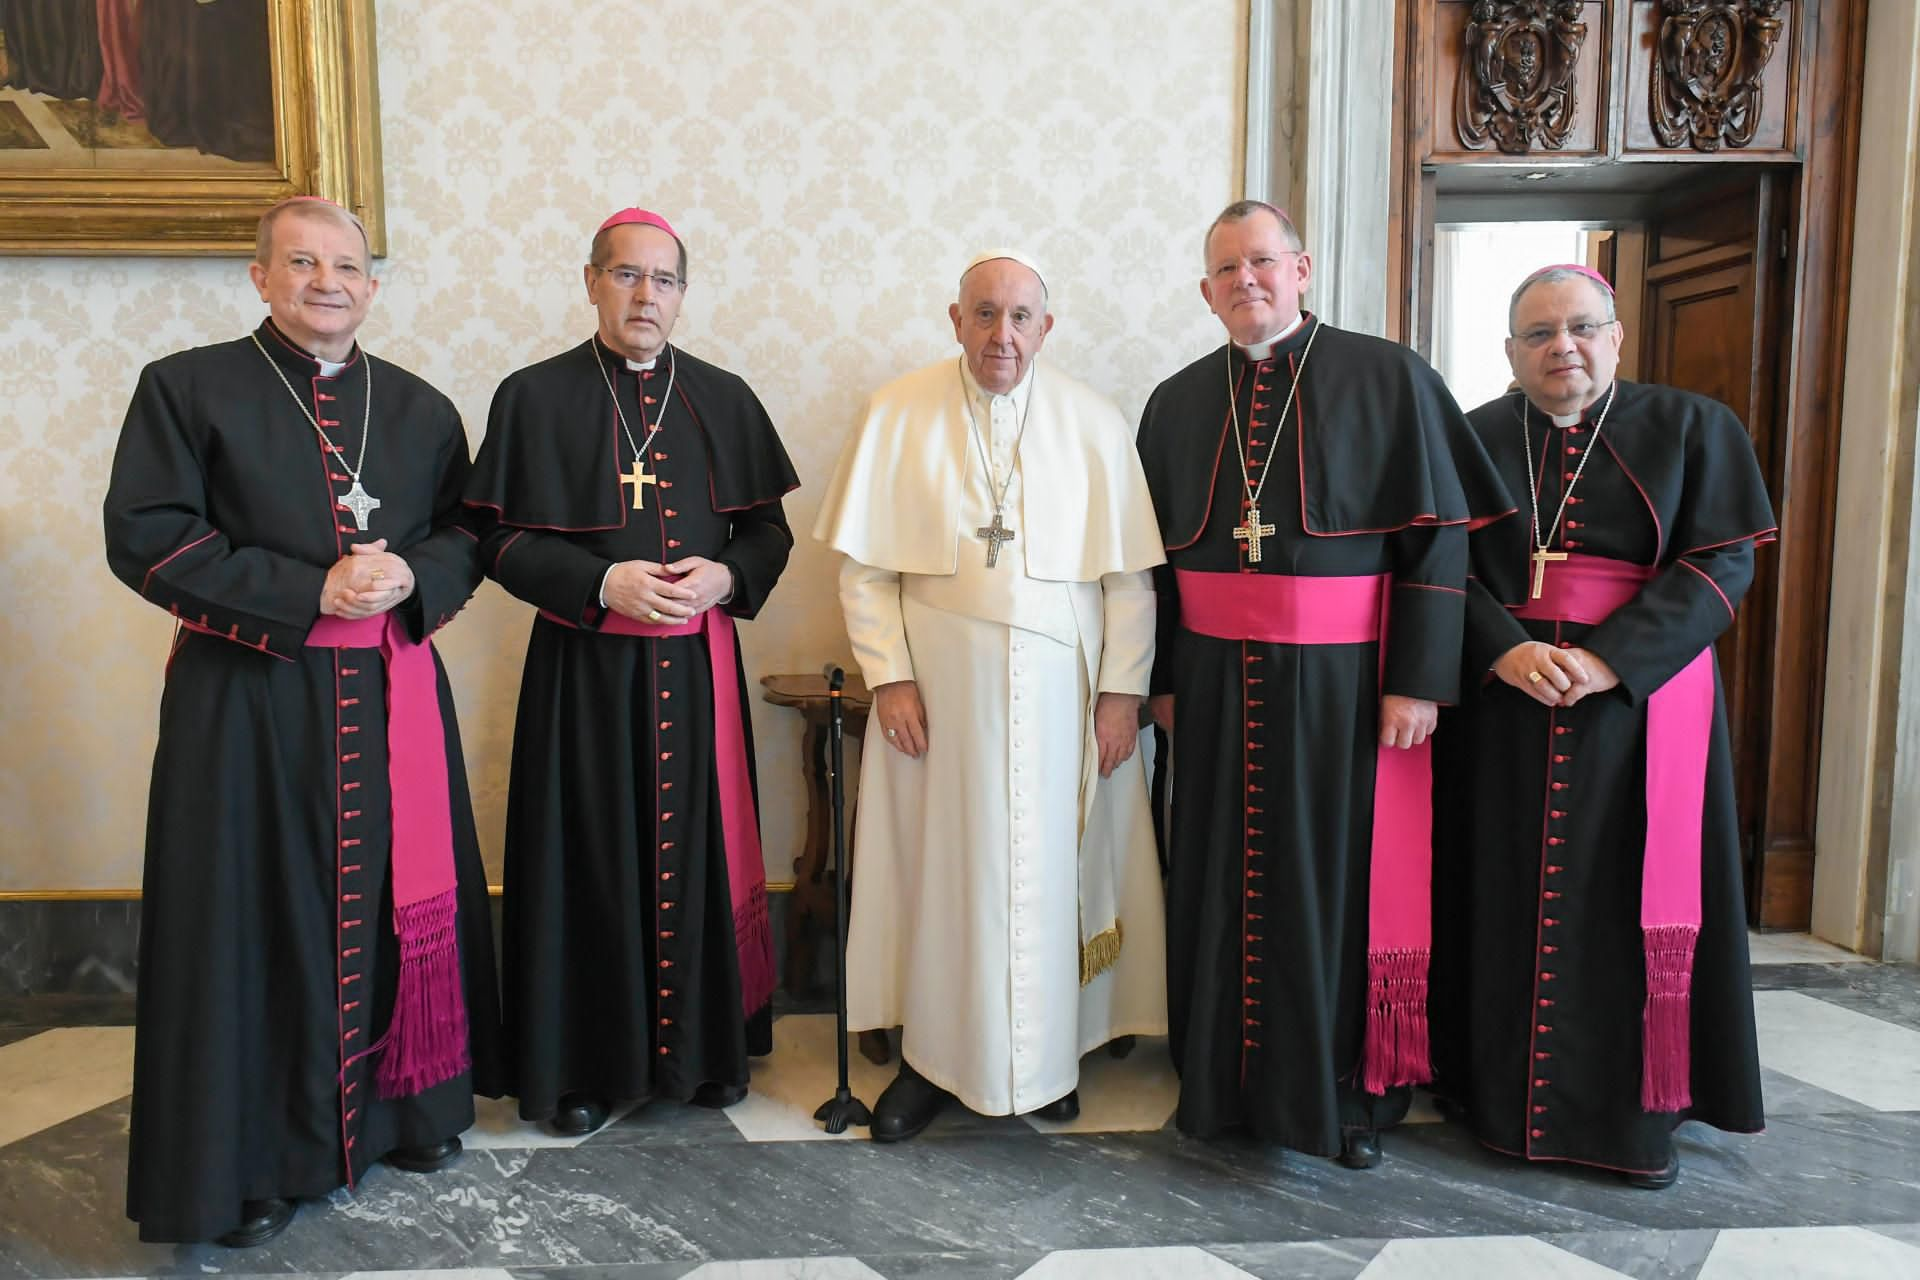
x=902, y=720
x=1116, y=728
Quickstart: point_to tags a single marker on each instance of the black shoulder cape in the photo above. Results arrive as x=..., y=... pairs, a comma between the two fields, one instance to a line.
x=1382, y=444
x=1687, y=454
x=554, y=451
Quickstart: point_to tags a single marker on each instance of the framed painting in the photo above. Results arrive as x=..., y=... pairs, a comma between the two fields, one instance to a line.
x=170, y=126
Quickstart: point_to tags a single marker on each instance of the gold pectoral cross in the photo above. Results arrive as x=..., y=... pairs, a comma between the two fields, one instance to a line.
x=1540, y=557
x=639, y=479
x=1250, y=532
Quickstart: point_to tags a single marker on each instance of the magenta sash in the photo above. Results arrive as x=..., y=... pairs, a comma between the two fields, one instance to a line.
x=739, y=817
x=426, y=1039
x=1279, y=609
x=1585, y=589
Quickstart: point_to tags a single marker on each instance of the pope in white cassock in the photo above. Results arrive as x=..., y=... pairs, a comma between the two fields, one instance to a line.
x=1007, y=906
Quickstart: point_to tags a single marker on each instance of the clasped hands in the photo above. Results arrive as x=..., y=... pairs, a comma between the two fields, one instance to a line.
x=650, y=592
x=366, y=582
x=902, y=718
x=1552, y=676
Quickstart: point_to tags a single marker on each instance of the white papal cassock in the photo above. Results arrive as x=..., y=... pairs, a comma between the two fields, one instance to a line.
x=998, y=870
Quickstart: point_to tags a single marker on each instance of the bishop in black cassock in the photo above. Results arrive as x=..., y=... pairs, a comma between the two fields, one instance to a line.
x=1595, y=943
x=316, y=955
x=1314, y=489
x=631, y=492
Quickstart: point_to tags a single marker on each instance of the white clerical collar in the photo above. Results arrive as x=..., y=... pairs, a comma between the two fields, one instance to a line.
x=330, y=368
x=1017, y=396
x=640, y=366
x=1567, y=419
x=1262, y=350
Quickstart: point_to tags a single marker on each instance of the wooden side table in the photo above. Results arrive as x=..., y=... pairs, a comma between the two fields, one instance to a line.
x=810, y=909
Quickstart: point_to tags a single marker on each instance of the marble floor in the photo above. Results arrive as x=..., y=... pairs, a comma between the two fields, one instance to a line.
x=758, y=1192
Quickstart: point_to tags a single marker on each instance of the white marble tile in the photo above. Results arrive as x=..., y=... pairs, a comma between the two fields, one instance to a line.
x=787, y=1269
x=1176, y=1262
x=50, y=1078
x=457, y=1273
x=497, y=1126
x=1799, y=948
x=789, y=1085
x=1809, y=1253
x=1839, y=1050
x=1134, y=1093
x=1483, y=1258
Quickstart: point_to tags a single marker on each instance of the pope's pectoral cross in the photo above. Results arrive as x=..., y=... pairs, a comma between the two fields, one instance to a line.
x=639, y=479
x=1251, y=532
x=994, y=534
x=360, y=503
x=1540, y=557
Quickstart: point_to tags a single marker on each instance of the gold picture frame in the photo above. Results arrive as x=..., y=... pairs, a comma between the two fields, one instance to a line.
x=326, y=126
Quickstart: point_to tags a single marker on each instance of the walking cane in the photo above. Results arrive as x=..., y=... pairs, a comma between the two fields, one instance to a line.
x=843, y=1108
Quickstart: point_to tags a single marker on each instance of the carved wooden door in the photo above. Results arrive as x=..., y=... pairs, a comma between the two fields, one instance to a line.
x=1705, y=275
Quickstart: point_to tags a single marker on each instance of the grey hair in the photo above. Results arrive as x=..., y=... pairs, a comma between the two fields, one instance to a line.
x=306, y=207
x=1240, y=211
x=1555, y=275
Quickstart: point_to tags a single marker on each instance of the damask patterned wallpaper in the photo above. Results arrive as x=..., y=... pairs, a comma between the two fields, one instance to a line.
x=831, y=166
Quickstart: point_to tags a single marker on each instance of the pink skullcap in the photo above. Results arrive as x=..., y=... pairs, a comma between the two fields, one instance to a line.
x=1578, y=270
x=646, y=217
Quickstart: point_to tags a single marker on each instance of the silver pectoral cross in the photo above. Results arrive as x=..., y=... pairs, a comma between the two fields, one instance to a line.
x=361, y=503
x=994, y=534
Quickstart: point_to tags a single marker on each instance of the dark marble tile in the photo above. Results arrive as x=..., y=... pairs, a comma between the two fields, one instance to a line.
x=1904, y=1232
x=668, y=1122
x=989, y=1264
x=49, y=946
x=1644, y=1255
x=10, y=1034
x=1315, y=1260
x=613, y=1271
x=1890, y=992
x=1788, y=1096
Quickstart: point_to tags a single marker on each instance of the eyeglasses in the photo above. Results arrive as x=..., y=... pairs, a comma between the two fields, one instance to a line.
x=1265, y=262
x=626, y=279
x=1580, y=331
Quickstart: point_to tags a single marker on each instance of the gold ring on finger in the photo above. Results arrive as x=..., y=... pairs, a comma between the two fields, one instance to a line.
x=1534, y=677
x=653, y=615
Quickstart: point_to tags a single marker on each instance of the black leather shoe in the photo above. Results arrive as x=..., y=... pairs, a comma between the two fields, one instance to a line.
x=431, y=1158
x=1060, y=1110
x=907, y=1106
x=1656, y=1181
x=712, y=1093
x=578, y=1115
x=261, y=1221
x=1359, y=1148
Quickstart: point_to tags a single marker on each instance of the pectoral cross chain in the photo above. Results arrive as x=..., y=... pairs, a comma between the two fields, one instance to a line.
x=1540, y=557
x=1250, y=532
x=994, y=534
x=639, y=479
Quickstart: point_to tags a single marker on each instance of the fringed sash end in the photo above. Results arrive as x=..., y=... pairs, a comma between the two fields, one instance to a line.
x=753, y=939
x=426, y=1042
x=1397, y=1050
x=1666, y=1068
x=1101, y=952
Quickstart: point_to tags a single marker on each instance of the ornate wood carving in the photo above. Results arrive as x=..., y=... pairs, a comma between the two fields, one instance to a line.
x=1516, y=83
x=1706, y=74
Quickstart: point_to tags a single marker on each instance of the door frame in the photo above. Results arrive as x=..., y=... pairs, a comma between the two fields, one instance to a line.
x=1793, y=585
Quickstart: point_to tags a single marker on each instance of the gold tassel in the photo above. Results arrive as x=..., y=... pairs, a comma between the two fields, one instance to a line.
x=1100, y=952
